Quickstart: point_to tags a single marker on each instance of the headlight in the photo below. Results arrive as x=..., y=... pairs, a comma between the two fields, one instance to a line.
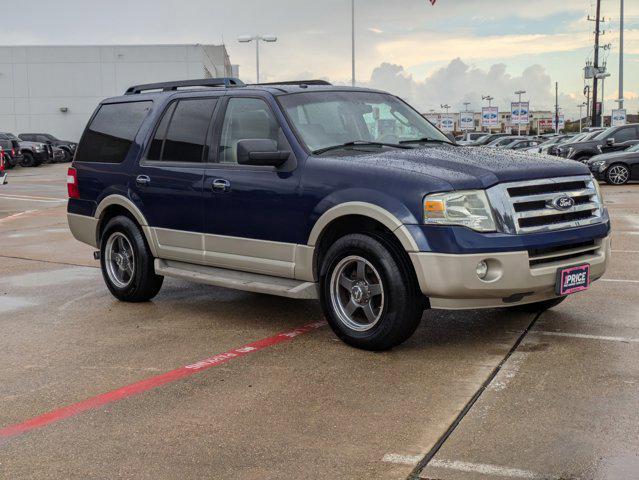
x=570, y=151
x=468, y=208
x=598, y=189
x=599, y=165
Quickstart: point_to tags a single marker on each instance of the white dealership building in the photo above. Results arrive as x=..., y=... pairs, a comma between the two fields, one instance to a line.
x=54, y=89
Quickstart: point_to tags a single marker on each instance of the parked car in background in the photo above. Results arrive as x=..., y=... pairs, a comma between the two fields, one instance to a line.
x=610, y=140
x=616, y=168
x=487, y=138
x=301, y=190
x=469, y=137
x=33, y=153
x=521, y=144
x=503, y=141
x=67, y=147
x=548, y=145
x=11, y=151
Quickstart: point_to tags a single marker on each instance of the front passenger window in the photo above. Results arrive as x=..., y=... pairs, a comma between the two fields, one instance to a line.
x=248, y=119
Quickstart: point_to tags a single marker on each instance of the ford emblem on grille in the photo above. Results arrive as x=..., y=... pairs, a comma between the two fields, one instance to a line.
x=562, y=202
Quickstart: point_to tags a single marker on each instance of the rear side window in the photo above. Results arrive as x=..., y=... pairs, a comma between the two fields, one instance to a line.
x=181, y=134
x=110, y=135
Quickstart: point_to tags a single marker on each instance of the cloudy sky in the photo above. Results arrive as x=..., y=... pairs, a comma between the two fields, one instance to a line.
x=450, y=53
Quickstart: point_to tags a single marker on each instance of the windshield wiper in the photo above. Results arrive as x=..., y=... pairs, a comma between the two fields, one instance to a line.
x=357, y=143
x=426, y=140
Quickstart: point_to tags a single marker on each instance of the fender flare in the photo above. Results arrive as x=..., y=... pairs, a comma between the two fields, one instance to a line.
x=364, y=209
x=129, y=206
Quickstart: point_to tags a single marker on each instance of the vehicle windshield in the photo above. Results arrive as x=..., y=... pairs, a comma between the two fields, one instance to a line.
x=12, y=136
x=603, y=135
x=329, y=118
x=576, y=138
x=634, y=148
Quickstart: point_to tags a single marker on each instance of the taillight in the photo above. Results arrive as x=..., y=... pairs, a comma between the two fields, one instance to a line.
x=72, y=183
x=13, y=152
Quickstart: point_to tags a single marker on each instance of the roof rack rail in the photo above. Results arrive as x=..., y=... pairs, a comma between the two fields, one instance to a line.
x=298, y=82
x=171, y=86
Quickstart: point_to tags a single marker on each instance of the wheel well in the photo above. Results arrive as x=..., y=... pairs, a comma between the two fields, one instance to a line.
x=349, y=224
x=110, y=212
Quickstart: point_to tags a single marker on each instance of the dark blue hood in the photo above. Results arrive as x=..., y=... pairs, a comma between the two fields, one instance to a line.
x=471, y=167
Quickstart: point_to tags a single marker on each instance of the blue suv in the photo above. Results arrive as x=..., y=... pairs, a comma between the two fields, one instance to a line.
x=308, y=190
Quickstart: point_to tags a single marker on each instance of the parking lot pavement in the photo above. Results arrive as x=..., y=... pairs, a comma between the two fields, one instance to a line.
x=563, y=399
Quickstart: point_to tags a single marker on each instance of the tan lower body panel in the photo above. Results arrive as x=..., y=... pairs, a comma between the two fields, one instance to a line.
x=451, y=281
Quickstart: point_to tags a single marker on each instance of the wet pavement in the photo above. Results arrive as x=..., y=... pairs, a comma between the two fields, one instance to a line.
x=472, y=395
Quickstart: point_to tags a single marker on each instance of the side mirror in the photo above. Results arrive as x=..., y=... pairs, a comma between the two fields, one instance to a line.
x=260, y=151
x=610, y=142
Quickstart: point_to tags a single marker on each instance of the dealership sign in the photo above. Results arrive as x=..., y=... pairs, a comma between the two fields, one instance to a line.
x=490, y=116
x=467, y=120
x=618, y=118
x=562, y=122
x=447, y=123
x=519, y=113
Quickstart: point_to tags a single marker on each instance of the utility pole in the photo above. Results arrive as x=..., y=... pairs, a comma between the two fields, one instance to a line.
x=353, y=42
x=556, y=107
x=603, y=75
x=621, y=57
x=595, y=118
x=446, y=107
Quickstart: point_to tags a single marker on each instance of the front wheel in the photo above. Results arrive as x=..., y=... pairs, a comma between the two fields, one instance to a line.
x=28, y=160
x=368, y=293
x=127, y=263
x=617, y=174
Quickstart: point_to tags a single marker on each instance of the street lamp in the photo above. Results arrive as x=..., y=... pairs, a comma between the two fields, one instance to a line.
x=257, y=39
x=581, y=108
x=445, y=106
x=520, y=93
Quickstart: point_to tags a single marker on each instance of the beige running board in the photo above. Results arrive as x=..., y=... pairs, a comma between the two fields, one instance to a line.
x=250, y=282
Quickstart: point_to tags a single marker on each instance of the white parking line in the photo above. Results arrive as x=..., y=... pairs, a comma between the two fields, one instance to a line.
x=619, y=280
x=33, y=199
x=481, y=468
x=16, y=215
x=625, y=251
x=589, y=337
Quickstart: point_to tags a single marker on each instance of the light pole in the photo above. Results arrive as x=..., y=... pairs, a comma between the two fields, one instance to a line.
x=621, y=57
x=602, y=76
x=581, y=108
x=257, y=39
x=446, y=107
x=490, y=104
x=353, y=43
x=520, y=93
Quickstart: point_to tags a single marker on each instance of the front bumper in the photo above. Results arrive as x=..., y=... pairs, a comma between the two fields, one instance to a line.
x=450, y=281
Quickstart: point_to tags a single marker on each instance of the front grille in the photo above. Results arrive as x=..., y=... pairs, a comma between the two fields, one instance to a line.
x=542, y=256
x=528, y=205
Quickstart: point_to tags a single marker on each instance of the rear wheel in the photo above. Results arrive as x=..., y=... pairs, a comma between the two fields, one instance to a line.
x=28, y=160
x=538, y=307
x=67, y=156
x=368, y=294
x=127, y=263
x=617, y=174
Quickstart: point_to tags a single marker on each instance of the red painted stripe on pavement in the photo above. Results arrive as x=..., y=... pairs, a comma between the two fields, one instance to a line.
x=152, y=382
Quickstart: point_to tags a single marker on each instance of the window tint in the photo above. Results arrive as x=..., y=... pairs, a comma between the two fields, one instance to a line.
x=625, y=134
x=248, y=118
x=186, y=134
x=111, y=133
x=155, y=151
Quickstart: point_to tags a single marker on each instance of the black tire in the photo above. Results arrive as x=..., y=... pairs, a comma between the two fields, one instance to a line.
x=538, y=307
x=143, y=284
x=28, y=160
x=617, y=174
x=400, y=312
x=67, y=156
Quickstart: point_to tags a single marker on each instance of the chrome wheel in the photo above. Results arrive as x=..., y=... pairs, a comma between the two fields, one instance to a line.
x=618, y=174
x=357, y=293
x=119, y=260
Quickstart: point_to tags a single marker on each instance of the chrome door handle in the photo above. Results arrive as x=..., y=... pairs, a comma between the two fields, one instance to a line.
x=143, y=180
x=220, y=185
